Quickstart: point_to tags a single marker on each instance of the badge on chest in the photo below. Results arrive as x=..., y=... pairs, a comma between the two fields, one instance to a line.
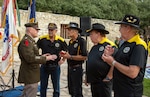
x=57, y=45
x=75, y=45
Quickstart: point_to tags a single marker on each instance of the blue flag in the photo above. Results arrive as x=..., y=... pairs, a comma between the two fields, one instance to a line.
x=32, y=11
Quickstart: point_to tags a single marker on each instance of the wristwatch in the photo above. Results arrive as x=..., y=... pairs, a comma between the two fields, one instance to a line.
x=107, y=78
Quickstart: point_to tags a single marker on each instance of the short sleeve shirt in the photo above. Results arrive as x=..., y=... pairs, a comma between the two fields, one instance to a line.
x=96, y=68
x=77, y=47
x=132, y=52
x=52, y=47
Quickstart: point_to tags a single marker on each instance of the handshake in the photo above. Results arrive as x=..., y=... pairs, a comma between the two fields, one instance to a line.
x=50, y=57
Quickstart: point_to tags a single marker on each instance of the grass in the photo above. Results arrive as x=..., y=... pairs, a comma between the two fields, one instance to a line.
x=147, y=87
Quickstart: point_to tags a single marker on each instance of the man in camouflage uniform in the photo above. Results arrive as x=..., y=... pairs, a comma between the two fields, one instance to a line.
x=29, y=72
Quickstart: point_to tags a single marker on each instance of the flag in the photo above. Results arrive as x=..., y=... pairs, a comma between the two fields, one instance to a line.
x=32, y=11
x=15, y=10
x=10, y=38
x=3, y=15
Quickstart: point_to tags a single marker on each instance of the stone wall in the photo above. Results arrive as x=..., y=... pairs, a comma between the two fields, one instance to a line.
x=44, y=18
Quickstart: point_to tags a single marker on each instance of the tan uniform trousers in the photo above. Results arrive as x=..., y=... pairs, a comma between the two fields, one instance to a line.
x=30, y=90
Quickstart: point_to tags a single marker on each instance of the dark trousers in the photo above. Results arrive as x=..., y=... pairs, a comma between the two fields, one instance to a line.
x=101, y=89
x=55, y=77
x=126, y=95
x=75, y=81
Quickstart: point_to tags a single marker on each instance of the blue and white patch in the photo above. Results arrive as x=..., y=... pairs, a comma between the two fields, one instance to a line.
x=57, y=45
x=101, y=48
x=75, y=45
x=126, y=49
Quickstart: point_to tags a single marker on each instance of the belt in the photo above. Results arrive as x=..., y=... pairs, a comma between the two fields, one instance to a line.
x=73, y=66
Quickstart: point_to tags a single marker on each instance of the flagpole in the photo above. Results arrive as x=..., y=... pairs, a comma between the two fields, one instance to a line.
x=13, y=71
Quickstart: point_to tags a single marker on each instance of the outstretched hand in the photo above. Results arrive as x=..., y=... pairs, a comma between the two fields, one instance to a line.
x=51, y=57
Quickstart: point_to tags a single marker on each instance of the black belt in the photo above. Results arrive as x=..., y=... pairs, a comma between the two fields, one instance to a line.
x=73, y=66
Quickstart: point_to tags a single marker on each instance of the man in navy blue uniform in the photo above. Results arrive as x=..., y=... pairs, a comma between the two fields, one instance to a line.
x=52, y=44
x=75, y=57
x=98, y=73
x=130, y=60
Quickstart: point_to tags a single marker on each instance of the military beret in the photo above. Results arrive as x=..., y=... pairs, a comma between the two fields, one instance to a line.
x=34, y=25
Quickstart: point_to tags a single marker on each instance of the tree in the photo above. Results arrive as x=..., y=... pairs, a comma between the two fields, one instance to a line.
x=103, y=9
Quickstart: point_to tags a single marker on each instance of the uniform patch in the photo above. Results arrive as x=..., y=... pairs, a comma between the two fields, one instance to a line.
x=101, y=48
x=57, y=45
x=126, y=49
x=75, y=45
x=26, y=42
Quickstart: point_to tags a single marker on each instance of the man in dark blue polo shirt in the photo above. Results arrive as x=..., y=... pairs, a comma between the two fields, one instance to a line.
x=75, y=57
x=130, y=60
x=52, y=44
x=99, y=74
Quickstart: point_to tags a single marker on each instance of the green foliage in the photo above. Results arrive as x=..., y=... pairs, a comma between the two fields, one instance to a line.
x=147, y=87
x=103, y=9
x=144, y=8
x=1, y=2
x=23, y=4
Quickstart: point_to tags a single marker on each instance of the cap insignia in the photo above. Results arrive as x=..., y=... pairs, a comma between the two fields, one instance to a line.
x=131, y=19
x=51, y=25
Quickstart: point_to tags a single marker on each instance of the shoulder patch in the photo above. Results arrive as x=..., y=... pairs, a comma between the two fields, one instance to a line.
x=26, y=42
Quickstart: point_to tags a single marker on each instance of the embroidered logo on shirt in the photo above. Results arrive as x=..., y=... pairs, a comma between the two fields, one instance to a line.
x=75, y=45
x=126, y=49
x=57, y=45
x=101, y=48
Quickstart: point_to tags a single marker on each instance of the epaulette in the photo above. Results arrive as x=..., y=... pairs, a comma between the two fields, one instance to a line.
x=138, y=41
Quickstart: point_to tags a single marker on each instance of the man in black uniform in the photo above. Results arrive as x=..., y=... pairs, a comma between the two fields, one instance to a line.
x=99, y=74
x=75, y=57
x=52, y=44
x=130, y=60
